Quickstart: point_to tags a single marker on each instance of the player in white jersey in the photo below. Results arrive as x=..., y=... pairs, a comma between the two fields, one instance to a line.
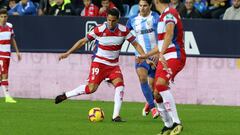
x=6, y=40
x=109, y=38
x=144, y=26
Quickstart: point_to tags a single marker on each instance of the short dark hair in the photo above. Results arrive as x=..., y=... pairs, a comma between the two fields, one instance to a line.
x=148, y=1
x=3, y=11
x=165, y=1
x=114, y=12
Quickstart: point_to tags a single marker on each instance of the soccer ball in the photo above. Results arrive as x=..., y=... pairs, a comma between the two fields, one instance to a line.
x=96, y=114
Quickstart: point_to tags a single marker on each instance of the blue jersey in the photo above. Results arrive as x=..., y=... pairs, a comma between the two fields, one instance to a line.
x=145, y=29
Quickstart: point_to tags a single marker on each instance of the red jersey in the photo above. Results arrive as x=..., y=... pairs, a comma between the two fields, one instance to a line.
x=6, y=33
x=90, y=10
x=170, y=15
x=109, y=43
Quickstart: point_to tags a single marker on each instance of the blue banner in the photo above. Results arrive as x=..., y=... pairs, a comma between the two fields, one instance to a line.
x=207, y=38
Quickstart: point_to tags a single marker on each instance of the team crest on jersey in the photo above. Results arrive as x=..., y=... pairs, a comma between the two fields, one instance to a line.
x=149, y=23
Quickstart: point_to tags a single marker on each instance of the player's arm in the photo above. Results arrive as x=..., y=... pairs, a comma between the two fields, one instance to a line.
x=75, y=47
x=14, y=43
x=167, y=41
x=138, y=47
x=167, y=37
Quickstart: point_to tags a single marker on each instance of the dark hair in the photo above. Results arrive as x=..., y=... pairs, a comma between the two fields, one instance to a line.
x=3, y=11
x=148, y=1
x=165, y=1
x=114, y=12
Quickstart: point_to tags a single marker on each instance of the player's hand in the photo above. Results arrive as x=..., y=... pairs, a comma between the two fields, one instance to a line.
x=151, y=63
x=143, y=56
x=102, y=9
x=63, y=56
x=155, y=58
x=138, y=60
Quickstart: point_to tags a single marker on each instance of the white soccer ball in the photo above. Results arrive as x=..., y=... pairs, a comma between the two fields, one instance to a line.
x=96, y=114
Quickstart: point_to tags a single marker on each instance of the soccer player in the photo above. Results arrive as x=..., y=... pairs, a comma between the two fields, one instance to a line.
x=109, y=38
x=172, y=59
x=144, y=25
x=6, y=40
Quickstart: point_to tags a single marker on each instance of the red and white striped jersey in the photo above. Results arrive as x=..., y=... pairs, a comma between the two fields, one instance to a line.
x=170, y=15
x=6, y=33
x=109, y=43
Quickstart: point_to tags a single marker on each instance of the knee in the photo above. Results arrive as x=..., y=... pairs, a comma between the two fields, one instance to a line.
x=142, y=79
x=161, y=85
x=91, y=88
x=119, y=84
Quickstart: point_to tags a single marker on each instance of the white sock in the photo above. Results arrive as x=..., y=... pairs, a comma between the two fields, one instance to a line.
x=77, y=91
x=167, y=120
x=118, y=98
x=170, y=105
x=5, y=90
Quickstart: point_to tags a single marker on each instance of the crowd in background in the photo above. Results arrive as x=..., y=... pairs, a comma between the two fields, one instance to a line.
x=215, y=9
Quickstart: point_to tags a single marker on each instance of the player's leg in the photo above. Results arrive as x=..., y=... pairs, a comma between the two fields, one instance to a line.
x=142, y=72
x=81, y=90
x=170, y=106
x=95, y=78
x=116, y=78
x=151, y=75
x=167, y=120
x=162, y=81
x=118, y=98
x=4, y=81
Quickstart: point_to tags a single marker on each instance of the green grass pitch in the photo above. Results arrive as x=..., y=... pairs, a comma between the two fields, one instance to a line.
x=43, y=117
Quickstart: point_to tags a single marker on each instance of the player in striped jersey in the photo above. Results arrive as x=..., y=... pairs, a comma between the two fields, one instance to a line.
x=144, y=26
x=6, y=40
x=109, y=38
x=172, y=60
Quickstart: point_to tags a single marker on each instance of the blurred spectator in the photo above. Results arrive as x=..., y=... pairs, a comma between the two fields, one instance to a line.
x=177, y=4
x=233, y=12
x=117, y=3
x=216, y=9
x=23, y=7
x=77, y=5
x=62, y=8
x=11, y=4
x=3, y=4
x=90, y=9
x=44, y=7
x=201, y=5
x=106, y=5
x=189, y=10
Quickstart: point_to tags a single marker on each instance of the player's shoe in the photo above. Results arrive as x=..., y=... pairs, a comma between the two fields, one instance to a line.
x=60, y=98
x=118, y=119
x=165, y=131
x=155, y=113
x=146, y=110
x=176, y=129
x=9, y=99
